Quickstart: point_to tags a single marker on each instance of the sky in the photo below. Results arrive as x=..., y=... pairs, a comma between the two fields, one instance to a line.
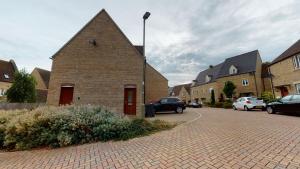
x=183, y=37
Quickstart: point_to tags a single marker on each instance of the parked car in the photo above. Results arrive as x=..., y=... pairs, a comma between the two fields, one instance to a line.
x=169, y=104
x=248, y=103
x=194, y=105
x=287, y=104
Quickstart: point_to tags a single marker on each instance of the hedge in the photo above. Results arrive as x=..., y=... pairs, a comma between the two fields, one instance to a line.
x=64, y=126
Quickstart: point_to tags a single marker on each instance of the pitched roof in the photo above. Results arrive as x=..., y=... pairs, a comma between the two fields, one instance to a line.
x=291, y=51
x=103, y=11
x=212, y=72
x=245, y=63
x=45, y=75
x=7, y=70
x=176, y=89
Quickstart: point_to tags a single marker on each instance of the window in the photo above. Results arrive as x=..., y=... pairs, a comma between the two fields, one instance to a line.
x=245, y=82
x=6, y=76
x=296, y=61
x=286, y=98
x=296, y=97
x=163, y=101
x=207, y=78
x=232, y=70
x=298, y=88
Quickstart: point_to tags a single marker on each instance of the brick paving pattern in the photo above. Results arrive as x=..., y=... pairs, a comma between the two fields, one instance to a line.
x=219, y=139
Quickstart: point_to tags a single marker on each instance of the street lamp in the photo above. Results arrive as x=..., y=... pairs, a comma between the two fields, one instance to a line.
x=145, y=17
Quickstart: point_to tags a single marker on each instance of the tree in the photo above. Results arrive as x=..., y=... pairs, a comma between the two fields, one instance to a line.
x=228, y=89
x=212, y=98
x=22, y=89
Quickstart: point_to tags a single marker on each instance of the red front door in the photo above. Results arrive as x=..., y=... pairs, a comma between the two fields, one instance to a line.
x=66, y=95
x=284, y=91
x=130, y=101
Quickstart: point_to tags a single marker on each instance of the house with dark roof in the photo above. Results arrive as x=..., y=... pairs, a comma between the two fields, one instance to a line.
x=285, y=71
x=42, y=78
x=182, y=91
x=7, y=71
x=243, y=70
x=100, y=66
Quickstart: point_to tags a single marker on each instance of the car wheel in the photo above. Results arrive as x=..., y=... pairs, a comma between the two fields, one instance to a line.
x=270, y=110
x=246, y=108
x=234, y=108
x=179, y=110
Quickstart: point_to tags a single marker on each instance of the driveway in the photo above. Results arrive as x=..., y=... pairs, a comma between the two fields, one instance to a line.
x=217, y=139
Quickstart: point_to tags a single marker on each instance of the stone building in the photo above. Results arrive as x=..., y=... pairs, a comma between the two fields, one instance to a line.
x=243, y=70
x=42, y=78
x=7, y=70
x=285, y=71
x=182, y=91
x=100, y=66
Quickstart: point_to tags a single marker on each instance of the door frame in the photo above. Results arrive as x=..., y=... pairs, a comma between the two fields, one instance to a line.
x=66, y=86
x=129, y=87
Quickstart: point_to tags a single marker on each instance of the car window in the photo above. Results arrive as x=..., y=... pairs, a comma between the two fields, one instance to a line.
x=252, y=98
x=163, y=101
x=286, y=98
x=296, y=98
x=172, y=100
x=242, y=99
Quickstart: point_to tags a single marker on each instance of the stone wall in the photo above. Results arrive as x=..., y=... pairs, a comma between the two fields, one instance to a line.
x=156, y=85
x=98, y=72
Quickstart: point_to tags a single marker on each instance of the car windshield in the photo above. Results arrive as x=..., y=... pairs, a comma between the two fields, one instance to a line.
x=252, y=98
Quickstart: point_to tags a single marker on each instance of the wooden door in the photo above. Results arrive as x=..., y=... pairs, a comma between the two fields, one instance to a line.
x=284, y=91
x=130, y=101
x=66, y=95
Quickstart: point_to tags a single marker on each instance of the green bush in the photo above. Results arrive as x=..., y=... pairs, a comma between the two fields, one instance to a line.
x=227, y=104
x=63, y=126
x=267, y=97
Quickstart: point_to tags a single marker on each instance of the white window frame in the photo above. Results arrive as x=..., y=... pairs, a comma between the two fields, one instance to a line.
x=207, y=78
x=232, y=70
x=296, y=60
x=6, y=76
x=297, y=86
x=245, y=82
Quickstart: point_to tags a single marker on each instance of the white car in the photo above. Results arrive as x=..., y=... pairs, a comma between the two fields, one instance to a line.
x=248, y=103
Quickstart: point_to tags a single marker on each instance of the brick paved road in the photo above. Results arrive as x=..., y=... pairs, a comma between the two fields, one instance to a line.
x=219, y=139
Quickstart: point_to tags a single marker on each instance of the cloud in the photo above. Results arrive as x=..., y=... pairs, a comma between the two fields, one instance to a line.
x=183, y=37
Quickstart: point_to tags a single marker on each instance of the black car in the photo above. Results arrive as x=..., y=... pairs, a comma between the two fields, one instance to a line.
x=169, y=104
x=287, y=104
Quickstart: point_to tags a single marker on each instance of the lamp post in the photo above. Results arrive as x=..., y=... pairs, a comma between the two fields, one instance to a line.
x=145, y=17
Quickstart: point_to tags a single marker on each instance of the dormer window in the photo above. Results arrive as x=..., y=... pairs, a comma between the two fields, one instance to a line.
x=233, y=70
x=207, y=78
x=6, y=76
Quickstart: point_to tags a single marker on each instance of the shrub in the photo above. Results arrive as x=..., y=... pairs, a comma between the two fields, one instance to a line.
x=267, y=97
x=227, y=104
x=63, y=126
x=212, y=98
x=228, y=89
x=22, y=89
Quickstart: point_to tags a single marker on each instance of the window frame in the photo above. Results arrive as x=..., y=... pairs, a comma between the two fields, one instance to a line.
x=296, y=61
x=245, y=84
x=297, y=86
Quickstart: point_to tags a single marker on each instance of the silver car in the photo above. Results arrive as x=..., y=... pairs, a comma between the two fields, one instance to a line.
x=248, y=103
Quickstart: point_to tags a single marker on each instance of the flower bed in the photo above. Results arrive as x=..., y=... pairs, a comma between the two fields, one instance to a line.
x=63, y=126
